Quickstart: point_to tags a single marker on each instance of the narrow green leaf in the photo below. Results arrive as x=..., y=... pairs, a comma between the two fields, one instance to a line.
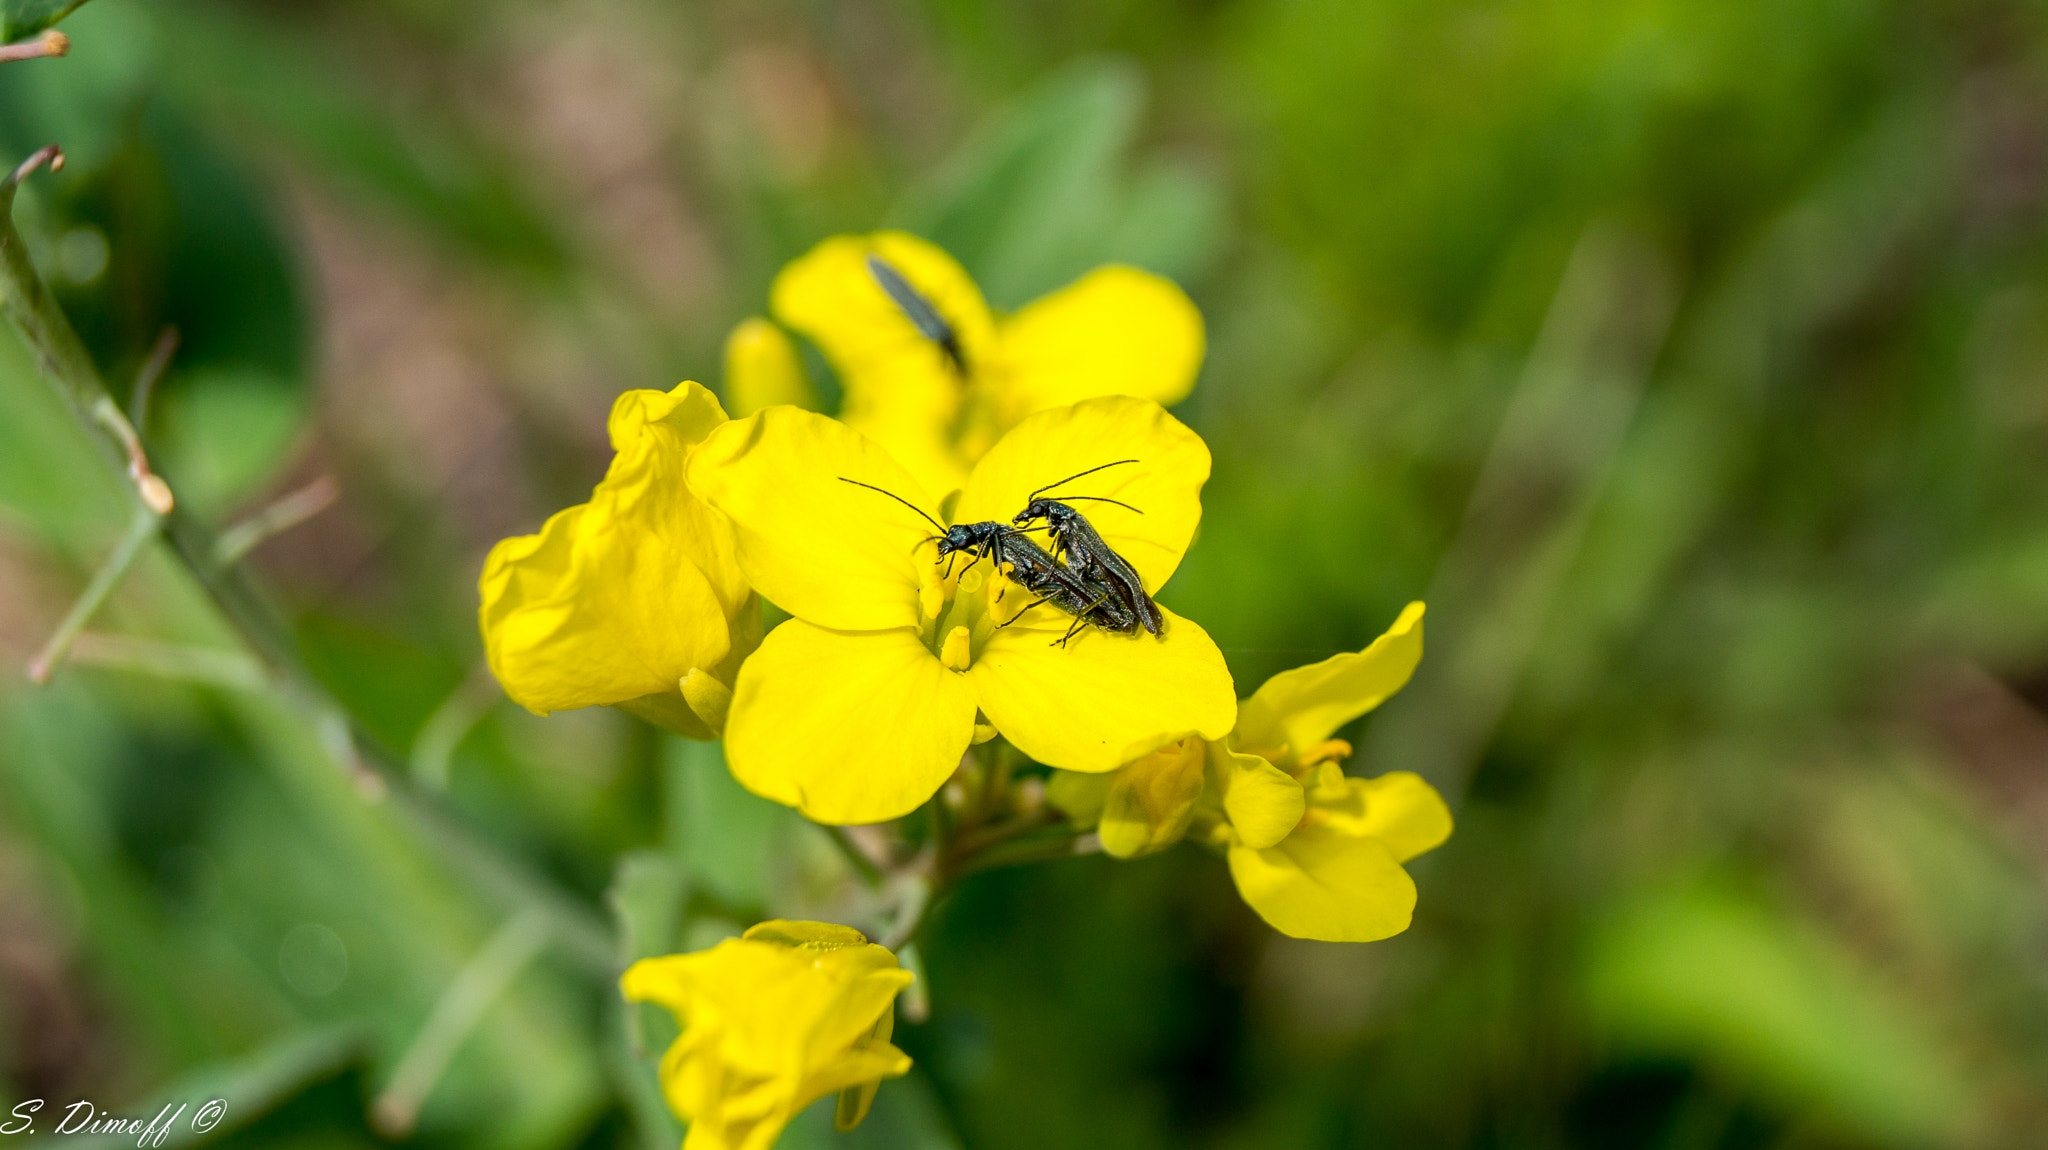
x=20, y=19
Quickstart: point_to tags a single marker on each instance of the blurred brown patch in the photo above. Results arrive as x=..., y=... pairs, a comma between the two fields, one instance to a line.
x=597, y=101
x=1998, y=742
x=53, y=1043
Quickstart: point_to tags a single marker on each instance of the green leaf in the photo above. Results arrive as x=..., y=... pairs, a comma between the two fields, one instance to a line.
x=1712, y=975
x=731, y=842
x=1041, y=193
x=646, y=900
x=20, y=19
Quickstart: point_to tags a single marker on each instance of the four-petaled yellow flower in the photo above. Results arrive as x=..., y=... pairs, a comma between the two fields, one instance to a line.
x=772, y=1021
x=634, y=599
x=860, y=707
x=1114, y=331
x=1315, y=853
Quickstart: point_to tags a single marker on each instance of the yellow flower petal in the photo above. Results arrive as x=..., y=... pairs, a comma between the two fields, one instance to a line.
x=774, y=999
x=799, y=933
x=837, y=555
x=762, y=369
x=854, y=727
x=1114, y=331
x=1103, y=699
x=1320, y=883
x=1151, y=800
x=619, y=597
x=1263, y=803
x=900, y=388
x=1165, y=483
x=854, y=1101
x=772, y=1022
x=1399, y=809
x=1301, y=707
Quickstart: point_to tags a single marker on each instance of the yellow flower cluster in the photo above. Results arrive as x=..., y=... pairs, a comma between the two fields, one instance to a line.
x=896, y=660
x=860, y=707
x=1316, y=853
x=1115, y=331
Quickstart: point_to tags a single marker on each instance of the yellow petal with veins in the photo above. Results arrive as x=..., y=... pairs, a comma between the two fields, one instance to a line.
x=1151, y=800
x=1323, y=884
x=1301, y=707
x=1103, y=699
x=824, y=550
x=619, y=597
x=848, y=727
x=1114, y=331
x=1164, y=485
x=1399, y=809
x=1263, y=803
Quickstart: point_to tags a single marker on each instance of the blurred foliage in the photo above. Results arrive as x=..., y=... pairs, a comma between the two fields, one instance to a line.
x=1687, y=358
x=20, y=19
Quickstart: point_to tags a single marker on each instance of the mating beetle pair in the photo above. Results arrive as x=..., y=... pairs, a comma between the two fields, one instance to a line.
x=1094, y=584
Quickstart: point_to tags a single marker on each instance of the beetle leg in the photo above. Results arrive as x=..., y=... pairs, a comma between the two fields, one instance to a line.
x=1020, y=614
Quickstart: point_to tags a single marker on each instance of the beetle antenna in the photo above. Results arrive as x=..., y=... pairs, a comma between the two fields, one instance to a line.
x=1099, y=499
x=1076, y=475
x=899, y=499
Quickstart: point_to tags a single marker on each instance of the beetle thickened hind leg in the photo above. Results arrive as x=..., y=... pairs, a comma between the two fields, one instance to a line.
x=1080, y=621
x=1020, y=614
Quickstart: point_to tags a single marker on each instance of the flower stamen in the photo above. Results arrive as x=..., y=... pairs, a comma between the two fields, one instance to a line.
x=955, y=653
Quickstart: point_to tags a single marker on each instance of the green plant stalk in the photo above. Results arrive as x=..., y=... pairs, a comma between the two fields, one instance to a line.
x=108, y=577
x=63, y=360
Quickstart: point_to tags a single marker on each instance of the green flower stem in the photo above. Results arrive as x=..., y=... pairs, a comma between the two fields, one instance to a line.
x=461, y=1007
x=433, y=749
x=64, y=361
x=152, y=370
x=916, y=896
x=869, y=870
x=212, y=666
x=283, y=515
x=50, y=43
x=141, y=530
x=916, y=1000
x=1024, y=842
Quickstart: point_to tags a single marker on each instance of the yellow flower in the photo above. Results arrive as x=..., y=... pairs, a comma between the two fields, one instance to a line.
x=1317, y=854
x=772, y=1021
x=860, y=707
x=762, y=369
x=1114, y=331
x=634, y=599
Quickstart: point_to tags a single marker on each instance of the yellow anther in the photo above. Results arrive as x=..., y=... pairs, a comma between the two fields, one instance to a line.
x=999, y=585
x=1329, y=750
x=954, y=654
x=931, y=591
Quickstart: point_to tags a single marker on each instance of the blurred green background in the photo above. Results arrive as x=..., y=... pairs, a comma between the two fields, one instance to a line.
x=1690, y=359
